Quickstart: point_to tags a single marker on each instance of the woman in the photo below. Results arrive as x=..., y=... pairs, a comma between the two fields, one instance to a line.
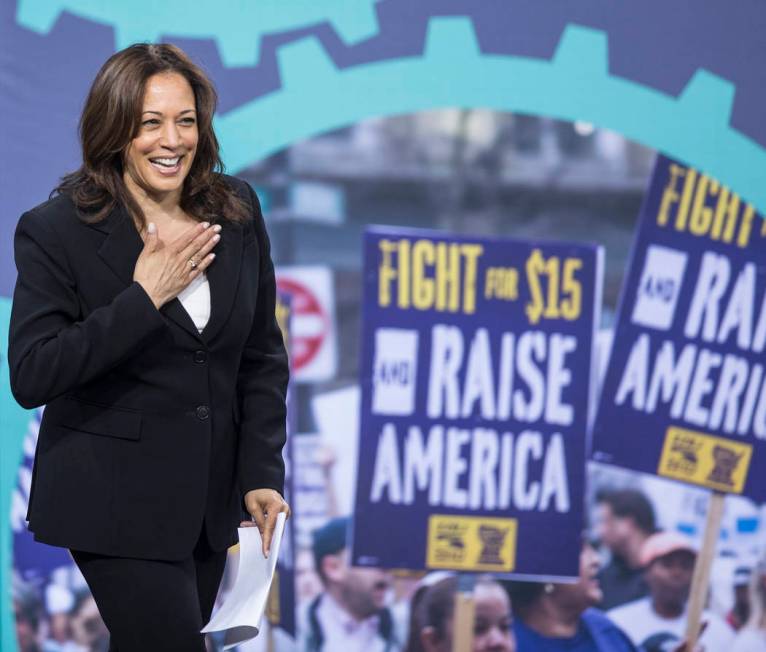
x=143, y=318
x=433, y=619
x=554, y=617
x=752, y=637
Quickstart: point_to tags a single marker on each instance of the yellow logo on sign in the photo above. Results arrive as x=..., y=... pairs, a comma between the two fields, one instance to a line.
x=471, y=543
x=705, y=460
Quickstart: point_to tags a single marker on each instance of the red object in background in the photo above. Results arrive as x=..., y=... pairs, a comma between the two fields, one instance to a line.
x=310, y=324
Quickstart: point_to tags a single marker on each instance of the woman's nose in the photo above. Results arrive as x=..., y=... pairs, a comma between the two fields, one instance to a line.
x=171, y=137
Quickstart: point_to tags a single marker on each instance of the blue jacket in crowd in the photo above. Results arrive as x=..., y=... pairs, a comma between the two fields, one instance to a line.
x=597, y=634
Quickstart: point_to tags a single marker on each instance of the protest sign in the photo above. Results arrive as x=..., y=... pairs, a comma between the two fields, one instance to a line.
x=476, y=370
x=684, y=396
x=281, y=610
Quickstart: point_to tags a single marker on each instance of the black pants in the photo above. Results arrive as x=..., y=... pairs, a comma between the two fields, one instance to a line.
x=150, y=605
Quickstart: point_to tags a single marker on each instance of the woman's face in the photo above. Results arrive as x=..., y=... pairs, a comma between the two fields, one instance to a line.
x=492, y=624
x=159, y=158
x=492, y=631
x=587, y=591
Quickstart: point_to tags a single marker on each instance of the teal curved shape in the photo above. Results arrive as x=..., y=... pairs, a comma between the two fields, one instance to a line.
x=574, y=85
x=452, y=71
x=237, y=25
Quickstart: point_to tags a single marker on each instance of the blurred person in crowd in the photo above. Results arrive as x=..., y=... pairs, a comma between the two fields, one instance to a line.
x=88, y=628
x=59, y=604
x=625, y=520
x=561, y=617
x=740, y=612
x=752, y=637
x=432, y=625
x=408, y=586
x=658, y=620
x=307, y=582
x=412, y=613
x=350, y=614
x=27, y=617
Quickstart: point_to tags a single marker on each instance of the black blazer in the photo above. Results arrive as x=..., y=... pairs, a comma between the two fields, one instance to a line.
x=149, y=426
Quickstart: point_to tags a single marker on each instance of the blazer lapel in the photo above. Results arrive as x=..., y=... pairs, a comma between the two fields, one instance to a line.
x=120, y=251
x=223, y=277
x=122, y=245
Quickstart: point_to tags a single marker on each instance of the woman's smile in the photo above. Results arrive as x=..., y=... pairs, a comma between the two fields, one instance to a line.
x=167, y=166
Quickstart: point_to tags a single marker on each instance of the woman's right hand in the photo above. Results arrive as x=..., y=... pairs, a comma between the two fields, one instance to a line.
x=164, y=269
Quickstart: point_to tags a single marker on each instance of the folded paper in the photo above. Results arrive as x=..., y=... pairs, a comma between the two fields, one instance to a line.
x=241, y=613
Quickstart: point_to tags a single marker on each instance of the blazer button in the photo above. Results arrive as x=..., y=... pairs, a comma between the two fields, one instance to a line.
x=200, y=357
x=203, y=412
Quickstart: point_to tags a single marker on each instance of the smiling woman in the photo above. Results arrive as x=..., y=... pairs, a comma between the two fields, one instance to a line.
x=148, y=105
x=144, y=319
x=161, y=155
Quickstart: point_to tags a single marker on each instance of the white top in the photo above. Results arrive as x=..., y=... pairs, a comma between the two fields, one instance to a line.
x=639, y=621
x=195, y=298
x=750, y=640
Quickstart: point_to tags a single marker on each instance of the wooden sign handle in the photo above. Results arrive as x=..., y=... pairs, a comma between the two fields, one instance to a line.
x=273, y=615
x=464, y=614
x=701, y=578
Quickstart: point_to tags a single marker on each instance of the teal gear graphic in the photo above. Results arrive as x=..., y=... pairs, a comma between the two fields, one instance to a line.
x=316, y=96
x=237, y=25
x=574, y=85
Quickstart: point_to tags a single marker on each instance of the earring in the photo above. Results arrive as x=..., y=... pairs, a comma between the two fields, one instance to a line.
x=548, y=588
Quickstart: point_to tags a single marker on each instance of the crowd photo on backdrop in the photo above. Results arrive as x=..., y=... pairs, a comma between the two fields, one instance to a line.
x=380, y=326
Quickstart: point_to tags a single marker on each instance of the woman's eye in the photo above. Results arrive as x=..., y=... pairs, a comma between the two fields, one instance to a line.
x=149, y=123
x=188, y=121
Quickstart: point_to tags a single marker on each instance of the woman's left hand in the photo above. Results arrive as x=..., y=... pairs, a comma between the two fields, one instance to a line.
x=264, y=505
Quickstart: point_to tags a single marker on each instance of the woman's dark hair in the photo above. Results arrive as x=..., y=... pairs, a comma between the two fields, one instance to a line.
x=111, y=119
x=523, y=595
x=413, y=626
x=432, y=606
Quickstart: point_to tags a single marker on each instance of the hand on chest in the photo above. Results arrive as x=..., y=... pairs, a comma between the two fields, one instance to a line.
x=225, y=296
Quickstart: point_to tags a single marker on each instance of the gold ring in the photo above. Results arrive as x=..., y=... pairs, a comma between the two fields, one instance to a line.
x=193, y=263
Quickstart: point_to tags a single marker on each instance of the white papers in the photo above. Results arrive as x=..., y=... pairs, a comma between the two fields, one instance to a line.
x=241, y=613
